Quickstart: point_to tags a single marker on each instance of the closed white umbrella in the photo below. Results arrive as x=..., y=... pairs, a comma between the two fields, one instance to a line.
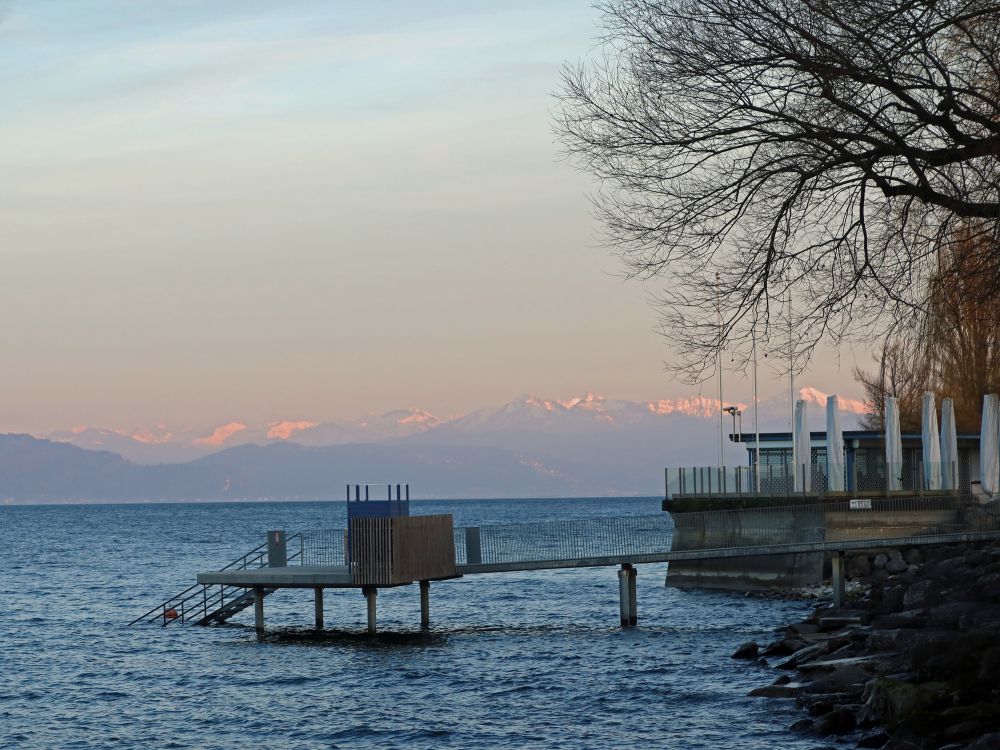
x=989, y=450
x=949, y=446
x=931, y=444
x=834, y=445
x=803, y=449
x=893, y=445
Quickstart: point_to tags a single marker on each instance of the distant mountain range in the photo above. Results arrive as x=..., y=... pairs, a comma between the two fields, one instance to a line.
x=585, y=446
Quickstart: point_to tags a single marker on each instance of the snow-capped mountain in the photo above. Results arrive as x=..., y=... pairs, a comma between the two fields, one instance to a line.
x=584, y=431
x=161, y=444
x=775, y=414
x=587, y=445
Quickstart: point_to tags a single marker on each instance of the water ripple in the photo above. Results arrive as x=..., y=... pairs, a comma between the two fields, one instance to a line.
x=533, y=660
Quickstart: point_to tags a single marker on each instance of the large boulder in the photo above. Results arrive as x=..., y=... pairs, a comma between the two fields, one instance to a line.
x=803, y=655
x=920, y=594
x=746, y=651
x=858, y=566
x=838, y=721
x=893, y=703
x=896, y=563
x=986, y=742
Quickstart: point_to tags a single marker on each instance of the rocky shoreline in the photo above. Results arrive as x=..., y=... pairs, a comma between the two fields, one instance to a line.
x=913, y=663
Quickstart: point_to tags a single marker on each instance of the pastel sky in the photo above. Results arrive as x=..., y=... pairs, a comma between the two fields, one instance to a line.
x=256, y=210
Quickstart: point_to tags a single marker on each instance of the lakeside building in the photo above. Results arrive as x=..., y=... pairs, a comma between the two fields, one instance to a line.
x=864, y=454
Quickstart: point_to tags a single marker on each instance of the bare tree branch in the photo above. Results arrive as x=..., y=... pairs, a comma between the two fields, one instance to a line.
x=752, y=149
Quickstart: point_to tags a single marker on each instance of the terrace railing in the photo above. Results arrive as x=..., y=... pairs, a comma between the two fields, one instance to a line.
x=785, y=480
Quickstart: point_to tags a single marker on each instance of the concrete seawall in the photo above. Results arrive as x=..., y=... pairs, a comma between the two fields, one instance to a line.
x=775, y=522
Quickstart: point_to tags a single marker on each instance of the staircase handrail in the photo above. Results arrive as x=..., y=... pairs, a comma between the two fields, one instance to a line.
x=240, y=563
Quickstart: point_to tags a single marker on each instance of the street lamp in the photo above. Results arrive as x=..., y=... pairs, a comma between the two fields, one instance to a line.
x=735, y=413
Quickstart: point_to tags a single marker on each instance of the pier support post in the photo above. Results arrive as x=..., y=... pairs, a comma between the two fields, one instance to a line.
x=425, y=604
x=623, y=596
x=628, y=601
x=839, y=587
x=318, y=607
x=370, y=593
x=633, y=599
x=258, y=610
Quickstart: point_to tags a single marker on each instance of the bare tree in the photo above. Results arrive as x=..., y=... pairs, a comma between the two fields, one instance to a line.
x=903, y=373
x=817, y=151
x=955, y=350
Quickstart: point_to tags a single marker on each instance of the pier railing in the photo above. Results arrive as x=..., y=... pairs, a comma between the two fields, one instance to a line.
x=701, y=534
x=576, y=539
x=199, y=601
x=850, y=523
x=324, y=547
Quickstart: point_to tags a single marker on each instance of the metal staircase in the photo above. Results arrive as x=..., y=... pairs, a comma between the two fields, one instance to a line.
x=211, y=605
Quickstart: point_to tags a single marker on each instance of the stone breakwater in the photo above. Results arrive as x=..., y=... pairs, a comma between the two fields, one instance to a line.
x=912, y=664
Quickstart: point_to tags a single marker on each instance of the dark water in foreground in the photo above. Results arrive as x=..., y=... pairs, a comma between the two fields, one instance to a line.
x=517, y=660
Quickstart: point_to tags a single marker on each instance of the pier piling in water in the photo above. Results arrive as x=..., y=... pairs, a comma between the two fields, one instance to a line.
x=258, y=610
x=627, y=597
x=627, y=600
x=425, y=604
x=370, y=593
x=318, y=607
x=623, y=596
x=633, y=599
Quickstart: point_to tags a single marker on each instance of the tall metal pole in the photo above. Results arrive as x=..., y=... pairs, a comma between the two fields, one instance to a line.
x=722, y=419
x=791, y=380
x=756, y=424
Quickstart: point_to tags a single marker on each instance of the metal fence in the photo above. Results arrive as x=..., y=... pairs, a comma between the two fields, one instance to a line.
x=877, y=521
x=588, y=538
x=870, y=474
x=324, y=547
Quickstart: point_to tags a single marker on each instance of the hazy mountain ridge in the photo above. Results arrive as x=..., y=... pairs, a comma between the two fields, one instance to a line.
x=43, y=471
x=161, y=444
x=589, y=446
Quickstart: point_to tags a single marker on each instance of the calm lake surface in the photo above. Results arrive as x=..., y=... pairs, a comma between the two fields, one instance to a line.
x=516, y=660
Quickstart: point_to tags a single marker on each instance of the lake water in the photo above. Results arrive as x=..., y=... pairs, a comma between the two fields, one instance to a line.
x=516, y=660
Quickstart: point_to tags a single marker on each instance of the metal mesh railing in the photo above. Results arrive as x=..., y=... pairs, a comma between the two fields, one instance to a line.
x=563, y=540
x=704, y=534
x=324, y=547
x=597, y=541
x=869, y=474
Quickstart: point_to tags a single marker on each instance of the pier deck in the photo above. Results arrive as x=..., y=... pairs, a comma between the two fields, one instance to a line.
x=295, y=577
